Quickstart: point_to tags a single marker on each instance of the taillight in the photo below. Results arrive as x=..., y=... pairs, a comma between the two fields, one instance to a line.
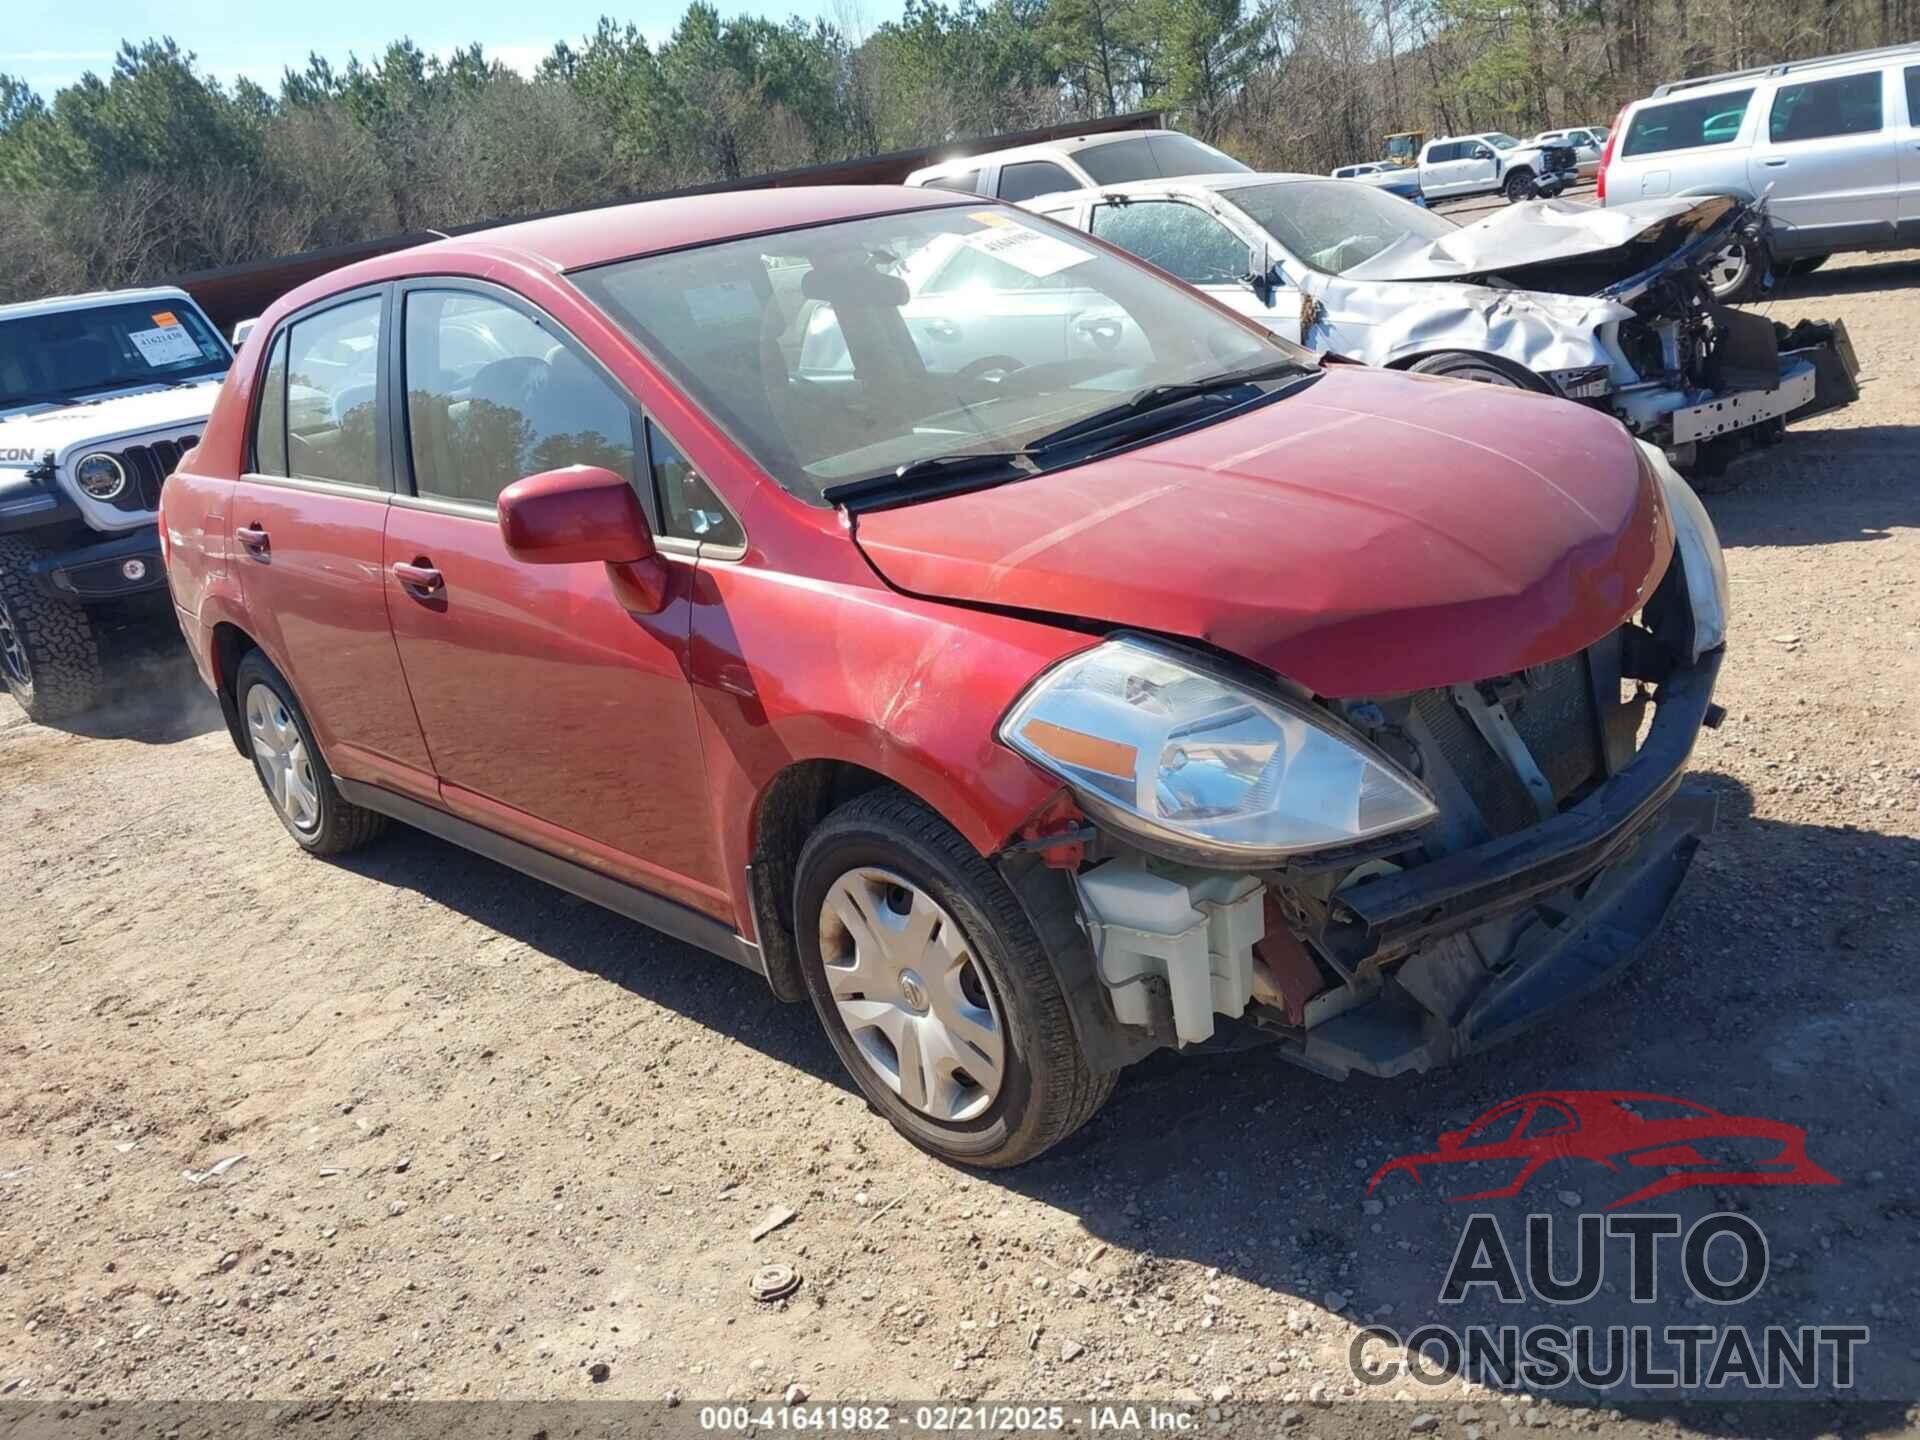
x=1606, y=155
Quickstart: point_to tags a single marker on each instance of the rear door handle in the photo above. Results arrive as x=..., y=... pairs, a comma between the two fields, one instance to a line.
x=254, y=538
x=420, y=579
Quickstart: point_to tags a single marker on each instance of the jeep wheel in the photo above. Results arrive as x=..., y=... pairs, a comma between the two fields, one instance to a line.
x=48, y=657
x=1519, y=185
x=291, y=768
x=933, y=987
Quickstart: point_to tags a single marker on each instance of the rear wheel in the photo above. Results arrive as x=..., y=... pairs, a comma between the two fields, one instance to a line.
x=291, y=768
x=934, y=989
x=49, y=660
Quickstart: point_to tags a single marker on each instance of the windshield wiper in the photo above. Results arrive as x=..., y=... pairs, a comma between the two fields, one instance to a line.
x=929, y=474
x=1158, y=397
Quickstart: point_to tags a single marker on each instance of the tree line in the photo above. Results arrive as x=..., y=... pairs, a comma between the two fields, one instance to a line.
x=157, y=169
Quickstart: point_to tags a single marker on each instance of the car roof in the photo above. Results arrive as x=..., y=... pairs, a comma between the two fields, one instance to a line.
x=1040, y=150
x=54, y=304
x=1137, y=189
x=574, y=241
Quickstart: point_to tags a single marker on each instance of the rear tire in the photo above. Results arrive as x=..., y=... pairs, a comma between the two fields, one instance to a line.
x=48, y=656
x=984, y=996
x=288, y=763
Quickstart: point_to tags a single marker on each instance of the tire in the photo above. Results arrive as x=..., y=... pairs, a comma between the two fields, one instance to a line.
x=1739, y=272
x=1482, y=369
x=1518, y=185
x=884, y=850
x=48, y=656
x=307, y=802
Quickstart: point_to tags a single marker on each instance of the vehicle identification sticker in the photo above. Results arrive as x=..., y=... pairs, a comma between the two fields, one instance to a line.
x=166, y=345
x=1008, y=240
x=727, y=303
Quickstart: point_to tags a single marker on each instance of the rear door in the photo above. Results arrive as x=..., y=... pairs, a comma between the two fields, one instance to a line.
x=553, y=715
x=308, y=516
x=1832, y=159
x=1907, y=211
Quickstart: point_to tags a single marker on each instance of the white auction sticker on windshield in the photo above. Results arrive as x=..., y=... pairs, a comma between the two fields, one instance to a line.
x=1028, y=250
x=165, y=345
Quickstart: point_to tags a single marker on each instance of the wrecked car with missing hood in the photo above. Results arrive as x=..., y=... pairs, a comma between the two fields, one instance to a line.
x=1029, y=688
x=1607, y=307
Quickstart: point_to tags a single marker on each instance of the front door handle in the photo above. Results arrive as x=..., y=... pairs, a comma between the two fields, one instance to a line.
x=420, y=578
x=1773, y=164
x=254, y=539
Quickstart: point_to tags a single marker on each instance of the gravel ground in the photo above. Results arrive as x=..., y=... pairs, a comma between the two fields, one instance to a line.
x=490, y=1139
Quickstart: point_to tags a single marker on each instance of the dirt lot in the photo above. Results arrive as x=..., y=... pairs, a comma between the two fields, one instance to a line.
x=493, y=1137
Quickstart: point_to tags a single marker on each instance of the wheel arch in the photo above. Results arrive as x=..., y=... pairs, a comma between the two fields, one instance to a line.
x=229, y=645
x=1520, y=373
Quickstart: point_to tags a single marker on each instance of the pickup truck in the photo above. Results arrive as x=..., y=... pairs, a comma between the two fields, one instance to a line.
x=1493, y=161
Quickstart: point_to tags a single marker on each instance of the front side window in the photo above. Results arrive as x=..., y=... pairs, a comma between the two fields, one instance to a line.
x=1684, y=124
x=333, y=364
x=494, y=396
x=270, y=421
x=831, y=354
x=70, y=355
x=1034, y=177
x=1338, y=228
x=1181, y=239
x=1848, y=105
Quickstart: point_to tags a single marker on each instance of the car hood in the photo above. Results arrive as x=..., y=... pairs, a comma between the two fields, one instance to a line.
x=1612, y=245
x=26, y=437
x=1373, y=534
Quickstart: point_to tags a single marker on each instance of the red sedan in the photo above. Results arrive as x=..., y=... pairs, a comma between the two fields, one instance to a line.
x=963, y=626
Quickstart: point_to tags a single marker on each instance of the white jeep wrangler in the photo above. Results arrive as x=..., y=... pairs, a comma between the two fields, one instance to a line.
x=100, y=396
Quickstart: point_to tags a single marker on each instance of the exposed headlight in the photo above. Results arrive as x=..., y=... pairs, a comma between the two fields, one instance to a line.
x=1702, y=564
x=1157, y=743
x=1582, y=382
x=100, y=475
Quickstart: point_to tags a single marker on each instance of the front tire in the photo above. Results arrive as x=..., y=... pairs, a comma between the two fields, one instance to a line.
x=291, y=768
x=48, y=656
x=1518, y=185
x=1738, y=272
x=1461, y=365
x=933, y=987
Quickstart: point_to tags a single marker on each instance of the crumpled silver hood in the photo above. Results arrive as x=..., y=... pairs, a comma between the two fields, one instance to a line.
x=1540, y=232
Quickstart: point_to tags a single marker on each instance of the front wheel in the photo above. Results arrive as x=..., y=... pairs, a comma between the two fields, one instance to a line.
x=1459, y=365
x=1519, y=186
x=1738, y=272
x=933, y=987
x=49, y=659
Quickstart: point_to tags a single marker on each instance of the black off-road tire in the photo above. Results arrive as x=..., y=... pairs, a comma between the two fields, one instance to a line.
x=62, y=657
x=1048, y=1091
x=341, y=826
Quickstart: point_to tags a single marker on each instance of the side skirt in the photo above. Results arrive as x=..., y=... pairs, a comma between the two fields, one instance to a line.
x=653, y=911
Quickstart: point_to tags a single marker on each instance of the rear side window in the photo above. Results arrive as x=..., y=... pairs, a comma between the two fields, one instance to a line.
x=333, y=364
x=688, y=506
x=967, y=182
x=270, y=422
x=1181, y=239
x=1848, y=105
x=494, y=396
x=1684, y=124
x=1034, y=177
x=1443, y=152
x=1913, y=95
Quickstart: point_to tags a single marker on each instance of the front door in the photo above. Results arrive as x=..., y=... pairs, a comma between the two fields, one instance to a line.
x=307, y=519
x=552, y=714
x=1831, y=161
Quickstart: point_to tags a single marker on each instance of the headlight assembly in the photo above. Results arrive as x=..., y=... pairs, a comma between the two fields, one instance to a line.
x=100, y=476
x=1702, y=564
x=1161, y=746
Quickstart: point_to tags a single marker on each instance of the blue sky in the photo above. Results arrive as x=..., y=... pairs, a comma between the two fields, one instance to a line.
x=51, y=43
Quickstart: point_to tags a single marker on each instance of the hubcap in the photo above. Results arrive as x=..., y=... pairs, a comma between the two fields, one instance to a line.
x=283, y=759
x=1727, y=268
x=912, y=995
x=13, y=654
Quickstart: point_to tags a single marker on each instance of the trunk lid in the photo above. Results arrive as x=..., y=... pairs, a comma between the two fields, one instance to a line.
x=1373, y=534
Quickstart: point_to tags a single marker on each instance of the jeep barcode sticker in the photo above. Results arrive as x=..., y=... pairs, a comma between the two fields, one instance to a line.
x=1027, y=250
x=167, y=345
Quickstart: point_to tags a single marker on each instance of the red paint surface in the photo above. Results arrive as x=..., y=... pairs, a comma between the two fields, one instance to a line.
x=1375, y=533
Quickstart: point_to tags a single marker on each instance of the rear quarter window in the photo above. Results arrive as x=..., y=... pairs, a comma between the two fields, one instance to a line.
x=1686, y=124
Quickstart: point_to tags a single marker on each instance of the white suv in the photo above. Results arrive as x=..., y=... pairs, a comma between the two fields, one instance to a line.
x=1115, y=158
x=1834, y=144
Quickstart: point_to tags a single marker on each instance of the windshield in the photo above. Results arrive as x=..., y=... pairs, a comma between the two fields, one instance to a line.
x=1154, y=157
x=67, y=355
x=846, y=351
x=1337, y=228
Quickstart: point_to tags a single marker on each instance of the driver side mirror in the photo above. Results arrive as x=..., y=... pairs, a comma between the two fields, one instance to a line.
x=1260, y=277
x=583, y=514
x=1484, y=152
